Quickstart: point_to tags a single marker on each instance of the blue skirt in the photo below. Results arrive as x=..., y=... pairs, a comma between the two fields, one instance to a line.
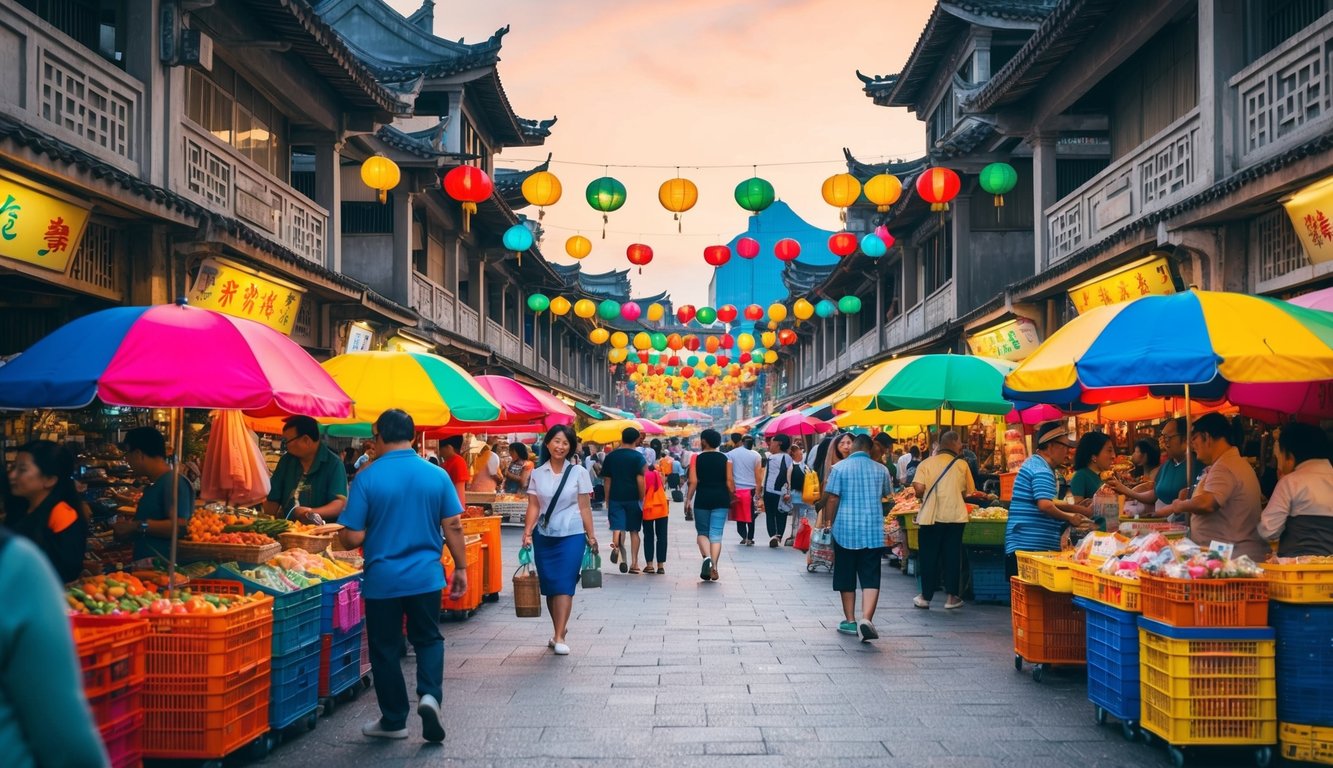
x=559, y=561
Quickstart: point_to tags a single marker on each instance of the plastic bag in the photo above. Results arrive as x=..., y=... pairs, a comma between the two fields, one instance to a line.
x=590, y=575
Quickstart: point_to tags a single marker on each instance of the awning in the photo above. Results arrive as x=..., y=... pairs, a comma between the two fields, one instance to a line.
x=589, y=411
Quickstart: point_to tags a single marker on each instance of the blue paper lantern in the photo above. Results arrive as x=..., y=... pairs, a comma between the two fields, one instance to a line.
x=825, y=308
x=518, y=239
x=874, y=246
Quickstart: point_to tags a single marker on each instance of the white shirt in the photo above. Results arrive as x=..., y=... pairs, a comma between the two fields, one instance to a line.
x=1306, y=490
x=493, y=464
x=744, y=462
x=566, y=520
x=776, y=466
x=649, y=455
x=903, y=461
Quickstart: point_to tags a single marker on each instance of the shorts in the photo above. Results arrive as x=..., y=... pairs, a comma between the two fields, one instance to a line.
x=853, y=565
x=711, y=523
x=625, y=515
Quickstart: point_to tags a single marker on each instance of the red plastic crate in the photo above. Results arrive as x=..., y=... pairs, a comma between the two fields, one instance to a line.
x=340, y=661
x=1205, y=602
x=1048, y=629
x=111, y=652
x=191, y=726
x=123, y=741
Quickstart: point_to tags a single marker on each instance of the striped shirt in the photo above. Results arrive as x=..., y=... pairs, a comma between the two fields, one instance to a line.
x=860, y=483
x=1029, y=529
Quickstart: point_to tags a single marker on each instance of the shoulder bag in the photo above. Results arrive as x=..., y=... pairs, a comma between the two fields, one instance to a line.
x=931, y=490
x=559, y=489
x=810, y=490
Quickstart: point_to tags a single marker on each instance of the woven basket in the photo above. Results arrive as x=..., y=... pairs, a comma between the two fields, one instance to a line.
x=312, y=543
x=192, y=552
x=527, y=595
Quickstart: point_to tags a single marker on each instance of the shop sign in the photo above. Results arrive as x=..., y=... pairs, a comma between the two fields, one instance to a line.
x=401, y=343
x=359, y=338
x=1013, y=340
x=1151, y=277
x=1311, y=213
x=229, y=289
x=38, y=228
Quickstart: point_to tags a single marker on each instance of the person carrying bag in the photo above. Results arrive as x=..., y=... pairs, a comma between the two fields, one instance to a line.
x=655, y=519
x=946, y=480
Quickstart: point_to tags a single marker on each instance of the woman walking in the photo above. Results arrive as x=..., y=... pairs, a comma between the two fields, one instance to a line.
x=655, y=509
x=777, y=488
x=559, y=526
x=800, y=510
x=708, y=497
x=519, y=470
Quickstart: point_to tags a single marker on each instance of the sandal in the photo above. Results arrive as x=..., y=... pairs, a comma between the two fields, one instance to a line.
x=634, y=570
x=661, y=571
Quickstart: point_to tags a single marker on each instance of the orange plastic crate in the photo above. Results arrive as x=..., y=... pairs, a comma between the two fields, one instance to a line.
x=1115, y=591
x=110, y=651
x=1205, y=602
x=191, y=726
x=472, y=597
x=209, y=645
x=492, y=559
x=1048, y=629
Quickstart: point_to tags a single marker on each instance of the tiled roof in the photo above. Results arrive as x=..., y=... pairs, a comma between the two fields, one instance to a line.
x=427, y=143
x=509, y=183
x=536, y=129
x=966, y=135
x=877, y=87
x=802, y=279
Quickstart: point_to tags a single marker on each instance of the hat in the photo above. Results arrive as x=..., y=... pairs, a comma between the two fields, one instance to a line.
x=1052, y=431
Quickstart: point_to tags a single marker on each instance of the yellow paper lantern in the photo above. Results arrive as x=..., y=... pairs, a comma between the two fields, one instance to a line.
x=542, y=189
x=380, y=174
x=585, y=308
x=777, y=313
x=769, y=338
x=599, y=335
x=655, y=312
x=883, y=191
x=803, y=309
x=678, y=196
x=560, y=306
x=770, y=357
x=578, y=246
x=841, y=190
x=617, y=356
x=643, y=369
x=619, y=340
x=642, y=340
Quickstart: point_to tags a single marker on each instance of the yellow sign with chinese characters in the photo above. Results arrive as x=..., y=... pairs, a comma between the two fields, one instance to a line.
x=1151, y=277
x=1311, y=213
x=234, y=291
x=38, y=228
x=1013, y=340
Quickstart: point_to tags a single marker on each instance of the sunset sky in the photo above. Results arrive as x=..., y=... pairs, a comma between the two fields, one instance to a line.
x=693, y=83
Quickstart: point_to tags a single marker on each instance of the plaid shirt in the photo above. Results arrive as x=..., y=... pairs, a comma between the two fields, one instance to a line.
x=860, y=483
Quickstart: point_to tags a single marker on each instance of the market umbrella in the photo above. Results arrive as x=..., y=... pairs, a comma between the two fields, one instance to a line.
x=1321, y=299
x=433, y=390
x=873, y=417
x=234, y=469
x=795, y=423
x=524, y=409
x=684, y=416
x=608, y=431
x=650, y=427
x=929, y=382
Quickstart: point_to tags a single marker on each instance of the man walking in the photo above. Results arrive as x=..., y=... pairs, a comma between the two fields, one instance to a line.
x=397, y=509
x=942, y=482
x=745, y=473
x=623, y=477
x=854, y=489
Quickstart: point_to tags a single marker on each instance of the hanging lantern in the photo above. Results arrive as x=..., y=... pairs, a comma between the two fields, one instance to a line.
x=825, y=308
x=743, y=358
x=841, y=190
x=883, y=191
x=754, y=195
x=608, y=309
x=938, y=186
x=468, y=185
x=842, y=243
x=606, y=195
x=380, y=174
x=768, y=338
x=542, y=189
x=872, y=245
x=642, y=341
x=639, y=254
x=726, y=341
x=787, y=249
x=518, y=239
x=678, y=196
x=717, y=255
x=560, y=306
x=706, y=315
x=803, y=309
x=619, y=339
x=685, y=313
x=659, y=341
x=599, y=335
x=617, y=356
x=770, y=357
x=692, y=342
x=630, y=311
x=578, y=246
x=777, y=312
x=674, y=342
x=726, y=313
x=538, y=303
x=655, y=312
x=998, y=179
x=849, y=305
x=786, y=337
x=754, y=313
x=747, y=247
x=585, y=308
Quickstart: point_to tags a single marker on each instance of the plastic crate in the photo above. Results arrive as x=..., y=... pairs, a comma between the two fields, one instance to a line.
x=294, y=687
x=912, y=532
x=191, y=726
x=1187, y=708
x=471, y=599
x=493, y=575
x=1048, y=569
x=348, y=611
x=984, y=533
x=990, y=584
x=1309, y=583
x=1205, y=602
x=1306, y=743
x=1048, y=629
x=1206, y=652
x=111, y=655
x=295, y=614
x=1113, y=659
x=329, y=596
x=123, y=740
x=339, y=662
x=214, y=645
x=1115, y=591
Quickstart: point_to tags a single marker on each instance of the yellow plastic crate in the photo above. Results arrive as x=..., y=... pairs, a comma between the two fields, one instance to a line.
x=1209, y=707
x=1306, y=583
x=1115, y=591
x=1204, y=658
x=1223, y=731
x=1305, y=743
x=1205, y=686
x=1049, y=570
x=911, y=530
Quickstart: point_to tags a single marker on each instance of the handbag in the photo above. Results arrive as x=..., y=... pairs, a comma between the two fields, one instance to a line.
x=810, y=490
x=590, y=575
x=804, y=532
x=655, y=504
x=742, y=507
x=527, y=588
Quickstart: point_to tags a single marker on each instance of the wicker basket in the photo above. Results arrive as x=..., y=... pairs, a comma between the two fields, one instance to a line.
x=527, y=595
x=193, y=551
x=312, y=543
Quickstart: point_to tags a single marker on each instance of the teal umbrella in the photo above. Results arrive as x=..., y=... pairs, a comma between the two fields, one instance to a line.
x=929, y=383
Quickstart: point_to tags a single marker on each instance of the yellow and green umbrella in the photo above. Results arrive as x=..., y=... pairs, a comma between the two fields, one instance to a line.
x=963, y=383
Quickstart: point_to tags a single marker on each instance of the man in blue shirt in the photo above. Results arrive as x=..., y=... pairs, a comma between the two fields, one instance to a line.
x=855, y=489
x=146, y=453
x=1037, y=518
x=398, y=507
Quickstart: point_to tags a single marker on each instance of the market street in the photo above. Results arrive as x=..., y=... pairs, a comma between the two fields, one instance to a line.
x=668, y=671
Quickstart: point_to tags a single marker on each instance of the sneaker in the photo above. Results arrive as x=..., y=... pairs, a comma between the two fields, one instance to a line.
x=921, y=602
x=561, y=649
x=432, y=726
x=868, y=631
x=706, y=569
x=952, y=604
x=375, y=729
x=847, y=628
x=774, y=543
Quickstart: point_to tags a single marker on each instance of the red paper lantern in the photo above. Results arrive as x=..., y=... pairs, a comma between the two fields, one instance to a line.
x=692, y=343
x=786, y=249
x=643, y=355
x=744, y=358
x=883, y=233
x=723, y=361
x=938, y=186
x=754, y=312
x=747, y=247
x=786, y=337
x=673, y=361
x=659, y=369
x=639, y=255
x=726, y=342
x=717, y=255
x=842, y=243
x=685, y=313
x=726, y=313
x=687, y=372
x=468, y=185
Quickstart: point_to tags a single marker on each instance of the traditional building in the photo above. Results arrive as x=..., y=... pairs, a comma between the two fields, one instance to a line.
x=759, y=280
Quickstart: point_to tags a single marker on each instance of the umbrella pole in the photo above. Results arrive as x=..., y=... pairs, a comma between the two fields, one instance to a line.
x=1189, y=460
x=178, y=435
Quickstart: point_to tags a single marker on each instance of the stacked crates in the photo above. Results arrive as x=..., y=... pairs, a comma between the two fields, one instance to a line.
x=111, y=655
x=989, y=582
x=1113, y=663
x=1048, y=628
x=341, y=629
x=466, y=605
x=492, y=566
x=1301, y=615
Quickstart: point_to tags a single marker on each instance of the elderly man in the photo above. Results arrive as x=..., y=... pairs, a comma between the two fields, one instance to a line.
x=854, y=489
x=941, y=482
x=1036, y=519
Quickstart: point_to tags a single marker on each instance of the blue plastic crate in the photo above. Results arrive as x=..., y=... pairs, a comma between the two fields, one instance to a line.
x=329, y=602
x=295, y=614
x=295, y=686
x=1111, y=628
x=1304, y=660
x=340, y=669
x=1113, y=660
x=990, y=584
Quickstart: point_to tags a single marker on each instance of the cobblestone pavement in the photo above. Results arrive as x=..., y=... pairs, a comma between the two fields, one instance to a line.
x=748, y=671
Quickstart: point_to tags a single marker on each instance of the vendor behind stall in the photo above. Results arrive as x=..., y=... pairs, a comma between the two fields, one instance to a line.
x=1036, y=519
x=1300, y=513
x=146, y=453
x=1170, y=479
x=309, y=483
x=1225, y=506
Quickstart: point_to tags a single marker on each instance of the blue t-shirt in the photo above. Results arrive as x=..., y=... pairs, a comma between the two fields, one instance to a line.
x=155, y=505
x=1029, y=529
x=401, y=501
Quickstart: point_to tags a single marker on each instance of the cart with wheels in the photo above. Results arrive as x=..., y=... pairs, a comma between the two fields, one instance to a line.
x=1048, y=630
x=1113, y=664
x=821, y=551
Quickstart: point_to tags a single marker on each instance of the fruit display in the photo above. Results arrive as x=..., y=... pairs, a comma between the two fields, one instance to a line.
x=273, y=577
x=989, y=513
x=304, y=562
x=142, y=592
x=1156, y=555
x=208, y=526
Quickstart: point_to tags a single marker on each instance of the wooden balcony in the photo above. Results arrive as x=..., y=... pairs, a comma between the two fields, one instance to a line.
x=432, y=301
x=1158, y=173
x=1283, y=98
x=502, y=341
x=217, y=176
x=58, y=87
x=469, y=326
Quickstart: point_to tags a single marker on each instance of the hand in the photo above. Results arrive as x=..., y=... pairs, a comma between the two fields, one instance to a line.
x=1082, y=523
x=592, y=543
x=689, y=508
x=124, y=528
x=527, y=538
x=458, y=586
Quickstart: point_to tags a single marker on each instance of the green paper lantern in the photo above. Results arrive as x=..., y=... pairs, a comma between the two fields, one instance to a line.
x=849, y=305
x=825, y=308
x=659, y=341
x=608, y=310
x=538, y=303
x=706, y=315
x=606, y=194
x=710, y=360
x=754, y=194
x=998, y=179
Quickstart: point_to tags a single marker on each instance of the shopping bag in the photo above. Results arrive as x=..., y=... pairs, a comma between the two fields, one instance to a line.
x=527, y=589
x=742, y=509
x=801, y=540
x=590, y=575
x=810, y=488
x=655, y=504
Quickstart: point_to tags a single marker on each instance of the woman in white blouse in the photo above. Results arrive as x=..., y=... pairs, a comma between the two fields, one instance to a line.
x=559, y=526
